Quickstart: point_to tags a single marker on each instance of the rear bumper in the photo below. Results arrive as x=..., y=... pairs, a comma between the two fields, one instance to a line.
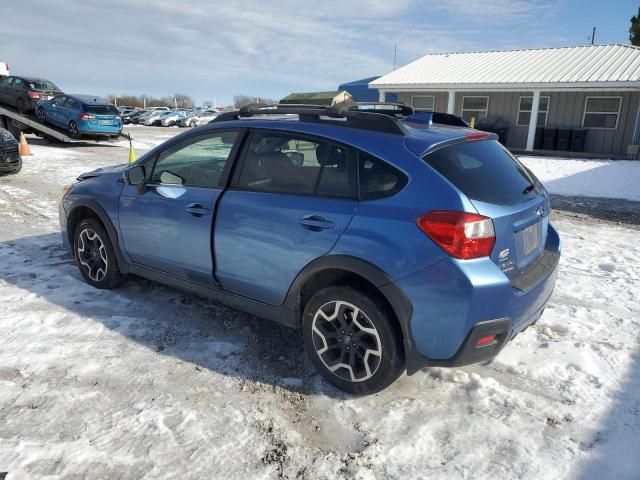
x=456, y=302
x=87, y=128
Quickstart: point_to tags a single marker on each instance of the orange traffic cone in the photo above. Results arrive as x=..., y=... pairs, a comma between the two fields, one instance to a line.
x=24, y=146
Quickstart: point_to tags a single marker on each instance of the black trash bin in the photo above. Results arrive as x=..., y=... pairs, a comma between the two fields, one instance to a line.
x=578, y=138
x=537, y=140
x=495, y=125
x=563, y=141
x=549, y=138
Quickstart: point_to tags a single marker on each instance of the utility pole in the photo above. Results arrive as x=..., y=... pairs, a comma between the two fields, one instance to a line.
x=395, y=54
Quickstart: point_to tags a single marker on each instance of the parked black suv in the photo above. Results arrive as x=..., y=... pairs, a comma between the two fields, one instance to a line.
x=10, y=160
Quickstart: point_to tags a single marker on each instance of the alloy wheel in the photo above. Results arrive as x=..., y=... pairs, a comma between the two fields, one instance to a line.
x=92, y=255
x=73, y=129
x=346, y=341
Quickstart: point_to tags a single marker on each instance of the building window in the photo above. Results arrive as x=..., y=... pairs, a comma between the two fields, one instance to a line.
x=602, y=112
x=423, y=103
x=475, y=107
x=524, y=111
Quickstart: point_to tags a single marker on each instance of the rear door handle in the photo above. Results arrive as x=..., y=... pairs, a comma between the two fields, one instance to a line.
x=197, y=210
x=316, y=223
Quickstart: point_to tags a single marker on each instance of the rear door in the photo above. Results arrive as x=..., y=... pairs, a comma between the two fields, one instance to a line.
x=292, y=198
x=501, y=188
x=167, y=226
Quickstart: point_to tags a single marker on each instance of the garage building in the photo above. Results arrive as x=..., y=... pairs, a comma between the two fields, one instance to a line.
x=585, y=98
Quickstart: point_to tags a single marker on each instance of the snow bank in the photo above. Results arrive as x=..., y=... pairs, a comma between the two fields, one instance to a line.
x=589, y=178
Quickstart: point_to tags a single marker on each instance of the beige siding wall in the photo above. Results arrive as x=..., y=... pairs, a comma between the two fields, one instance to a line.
x=565, y=111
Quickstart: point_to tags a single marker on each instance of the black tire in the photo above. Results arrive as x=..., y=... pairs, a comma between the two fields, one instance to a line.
x=100, y=270
x=20, y=106
x=73, y=130
x=351, y=344
x=42, y=115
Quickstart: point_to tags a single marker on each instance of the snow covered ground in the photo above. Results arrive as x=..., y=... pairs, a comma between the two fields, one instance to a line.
x=146, y=381
x=591, y=178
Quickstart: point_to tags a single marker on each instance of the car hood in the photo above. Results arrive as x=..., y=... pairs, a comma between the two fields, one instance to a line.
x=103, y=171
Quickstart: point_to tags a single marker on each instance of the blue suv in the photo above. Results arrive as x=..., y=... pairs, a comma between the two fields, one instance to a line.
x=392, y=243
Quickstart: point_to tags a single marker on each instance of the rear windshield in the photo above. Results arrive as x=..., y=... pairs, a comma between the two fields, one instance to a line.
x=485, y=171
x=43, y=86
x=101, y=109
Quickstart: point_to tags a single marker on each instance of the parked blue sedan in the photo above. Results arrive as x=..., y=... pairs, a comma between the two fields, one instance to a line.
x=81, y=115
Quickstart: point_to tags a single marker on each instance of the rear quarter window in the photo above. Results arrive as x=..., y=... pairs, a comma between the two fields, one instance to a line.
x=378, y=179
x=485, y=171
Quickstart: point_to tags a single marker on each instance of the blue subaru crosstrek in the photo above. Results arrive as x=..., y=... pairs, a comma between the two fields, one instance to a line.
x=81, y=115
x=392, y=244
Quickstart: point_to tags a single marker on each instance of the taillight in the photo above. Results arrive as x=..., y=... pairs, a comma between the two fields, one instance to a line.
x=462, y=235
x=87, y=116
x=33, y=94
x=476, y=136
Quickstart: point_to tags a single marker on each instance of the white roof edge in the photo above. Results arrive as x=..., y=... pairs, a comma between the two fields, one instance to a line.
x=515, y=87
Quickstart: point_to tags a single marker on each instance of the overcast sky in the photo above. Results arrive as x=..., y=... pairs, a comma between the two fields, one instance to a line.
x=217, y=49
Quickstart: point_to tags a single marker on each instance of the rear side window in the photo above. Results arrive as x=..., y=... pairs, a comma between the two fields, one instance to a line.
x=485, y=171
x=282, y=163
x=101, y=109
x=378, y=179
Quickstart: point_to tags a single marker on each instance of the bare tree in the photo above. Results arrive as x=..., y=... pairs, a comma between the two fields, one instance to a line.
x=242, y=100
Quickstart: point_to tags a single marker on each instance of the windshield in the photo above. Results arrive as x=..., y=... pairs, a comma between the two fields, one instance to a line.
x=43, y=85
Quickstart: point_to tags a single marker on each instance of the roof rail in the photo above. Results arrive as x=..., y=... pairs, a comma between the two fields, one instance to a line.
x=337, y=115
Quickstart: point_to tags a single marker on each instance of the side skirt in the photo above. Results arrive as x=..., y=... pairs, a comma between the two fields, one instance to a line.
x=280, y=314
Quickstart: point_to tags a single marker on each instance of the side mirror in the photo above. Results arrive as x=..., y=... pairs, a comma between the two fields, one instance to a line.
x=136, y=175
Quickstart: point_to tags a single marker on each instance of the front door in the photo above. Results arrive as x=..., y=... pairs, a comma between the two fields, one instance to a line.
x=291, y=201
x=168, y=226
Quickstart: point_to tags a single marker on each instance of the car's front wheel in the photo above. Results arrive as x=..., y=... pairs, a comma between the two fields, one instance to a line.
x=42, y=116
x=95, y=256
x=352, y=340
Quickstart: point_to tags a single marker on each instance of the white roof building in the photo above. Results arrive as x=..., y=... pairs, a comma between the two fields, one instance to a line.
x=560, y=86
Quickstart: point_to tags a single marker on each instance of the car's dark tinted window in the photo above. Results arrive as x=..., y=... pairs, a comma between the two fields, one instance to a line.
x=284, y=163
x=196, y=162
x=43, y=85
x=101, y=109
x=377, y=178
x=485, y=171
x=19, y=83
x=71, y=104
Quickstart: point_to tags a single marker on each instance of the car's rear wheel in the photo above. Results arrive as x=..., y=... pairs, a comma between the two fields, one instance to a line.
x=95, y=256
x=20, y=106
x=352, y=340
x=73, y=130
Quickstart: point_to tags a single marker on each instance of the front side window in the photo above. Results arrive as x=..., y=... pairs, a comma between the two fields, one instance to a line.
x=282, y=163
x=423, y=103
x=524, y=111
x=474, y=107
x=196, y=162
x=602, y=112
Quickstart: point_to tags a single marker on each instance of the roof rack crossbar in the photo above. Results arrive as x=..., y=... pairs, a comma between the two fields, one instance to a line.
x=320, y=113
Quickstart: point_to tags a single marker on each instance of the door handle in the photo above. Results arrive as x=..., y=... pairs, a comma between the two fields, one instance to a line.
x=197, y=210
x=316, y=223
